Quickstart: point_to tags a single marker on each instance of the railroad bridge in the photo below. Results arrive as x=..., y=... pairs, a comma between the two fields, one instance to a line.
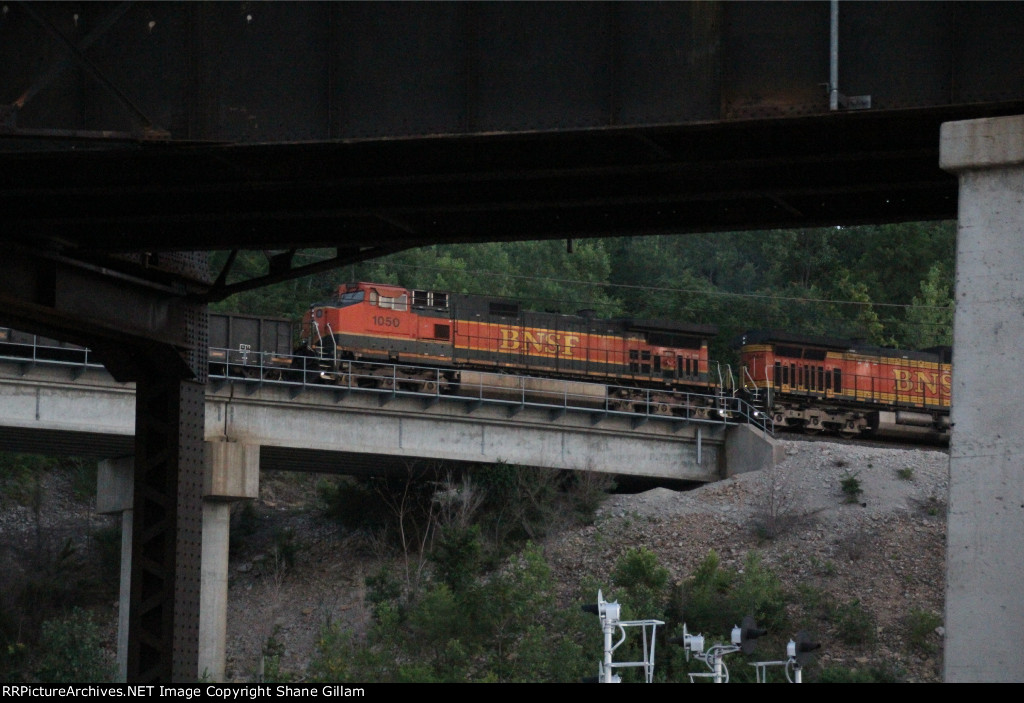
x=77, y=408
x=136, y=136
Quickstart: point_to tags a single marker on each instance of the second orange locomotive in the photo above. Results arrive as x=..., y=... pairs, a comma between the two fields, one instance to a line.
x=818, y=383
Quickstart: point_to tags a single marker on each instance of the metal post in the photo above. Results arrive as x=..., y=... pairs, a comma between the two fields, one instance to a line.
x=833, y=57
x=606, y=670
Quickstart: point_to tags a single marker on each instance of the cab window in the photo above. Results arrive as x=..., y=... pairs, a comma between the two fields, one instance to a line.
x=351, y=298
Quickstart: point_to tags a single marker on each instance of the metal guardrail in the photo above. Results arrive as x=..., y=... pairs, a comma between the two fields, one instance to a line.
x=35, y=354
x=515, y=392
x=431, y=384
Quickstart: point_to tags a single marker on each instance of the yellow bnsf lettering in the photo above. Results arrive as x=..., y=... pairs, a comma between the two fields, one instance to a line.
x=907, y=381
x=903, y=382
x=539, y=342
x=535, y=342
x=509, y=340
x=928, y=381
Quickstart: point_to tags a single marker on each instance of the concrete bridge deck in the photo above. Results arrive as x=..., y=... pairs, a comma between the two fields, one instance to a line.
x=79, y=409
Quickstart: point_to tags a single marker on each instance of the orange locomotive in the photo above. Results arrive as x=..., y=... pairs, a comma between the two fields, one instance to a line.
x=377, y=322
x=815, y=384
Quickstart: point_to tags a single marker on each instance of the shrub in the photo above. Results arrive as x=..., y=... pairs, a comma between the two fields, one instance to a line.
x=644, y=583
x=704, y=597
x=586, y=491
x=921, y=626
x=775, y=508
x=286, y=547
x=506, y=628
x=72, y=652
x=83, y=478
x=20, y=476
x=854, y=624
x=715, y=600
x=457, y=556
x=851, y=488
x=758, y=592
x=817, y=604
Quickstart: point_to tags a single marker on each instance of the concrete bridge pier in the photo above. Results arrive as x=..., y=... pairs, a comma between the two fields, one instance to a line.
x=231, y=473
x=984, y=563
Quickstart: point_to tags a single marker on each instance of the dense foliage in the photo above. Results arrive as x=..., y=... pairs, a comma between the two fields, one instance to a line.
x=464, y=594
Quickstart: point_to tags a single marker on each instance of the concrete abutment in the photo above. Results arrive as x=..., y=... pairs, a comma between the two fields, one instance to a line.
x=984, y=564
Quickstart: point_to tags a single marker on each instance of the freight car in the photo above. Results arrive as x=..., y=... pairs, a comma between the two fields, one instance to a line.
x=479, y=341
x=820, y=384
x=251, y=346
x=240, y=345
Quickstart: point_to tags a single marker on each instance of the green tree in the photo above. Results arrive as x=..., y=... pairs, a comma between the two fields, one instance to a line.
x=643, y=583
x=930, y=319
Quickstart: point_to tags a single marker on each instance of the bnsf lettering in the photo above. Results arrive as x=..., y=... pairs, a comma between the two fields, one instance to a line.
x=382, y=321
x=930, y=381
x=539, y=342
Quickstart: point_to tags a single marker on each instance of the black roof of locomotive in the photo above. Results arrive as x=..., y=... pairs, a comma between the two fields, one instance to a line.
x=940, y=354
x=661, y=325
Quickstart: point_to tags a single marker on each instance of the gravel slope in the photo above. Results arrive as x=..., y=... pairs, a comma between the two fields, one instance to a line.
x=887, y=550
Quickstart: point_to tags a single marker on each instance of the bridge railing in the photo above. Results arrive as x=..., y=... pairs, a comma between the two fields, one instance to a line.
x=513, y=391
x=32, y=350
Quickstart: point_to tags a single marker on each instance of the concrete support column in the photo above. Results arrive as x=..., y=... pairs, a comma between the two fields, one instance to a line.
x=232, y=473
x=213, y=599
x=984, y=562
x=114, y=492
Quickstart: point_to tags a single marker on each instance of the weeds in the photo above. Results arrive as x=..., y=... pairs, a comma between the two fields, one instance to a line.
x=851, y=487
x=823, y=568
x=932, y=506
x=856, y=545
x=906, y=474
x=817, y=603
x=855, y=624
x=921, y=626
